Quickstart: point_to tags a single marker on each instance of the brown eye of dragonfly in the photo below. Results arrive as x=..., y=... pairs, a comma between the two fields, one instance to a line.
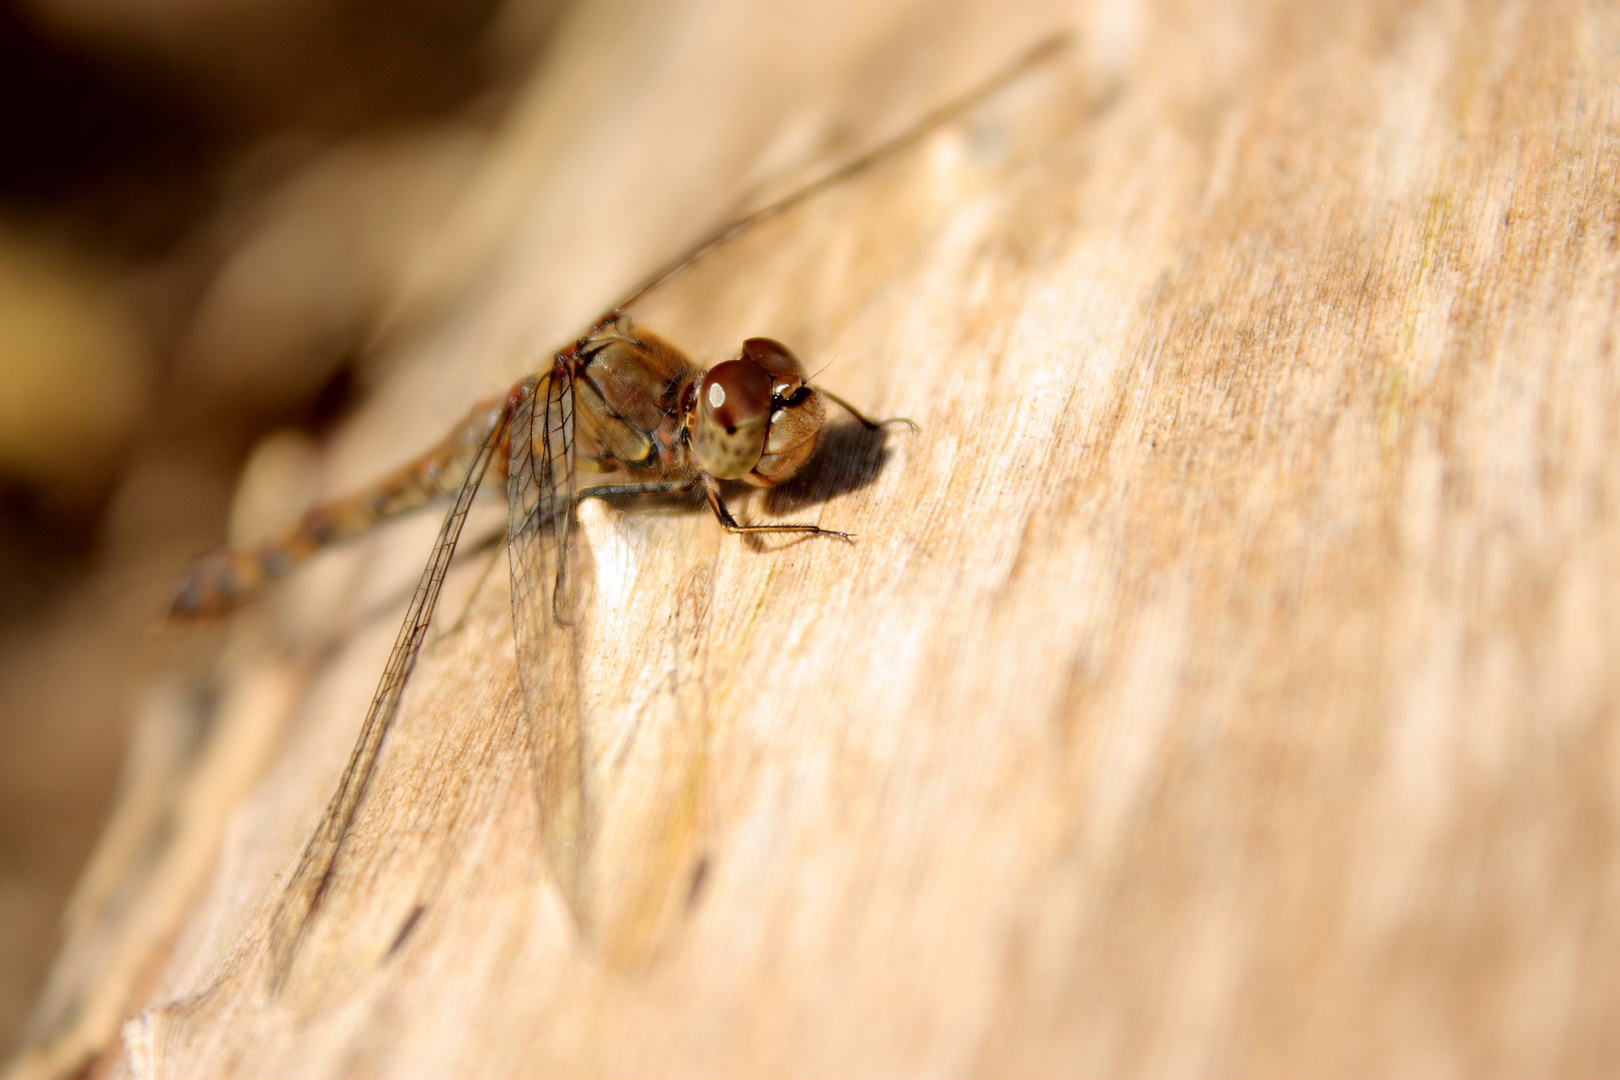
x=735, y=393
x=787, y=374
x=734, y=404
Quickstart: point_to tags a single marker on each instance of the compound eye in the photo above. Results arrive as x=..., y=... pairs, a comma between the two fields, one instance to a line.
x=733, y=413
x=734, y=394
x=787, y=374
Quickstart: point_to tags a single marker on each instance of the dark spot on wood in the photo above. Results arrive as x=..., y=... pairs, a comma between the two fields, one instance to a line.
x=700, y=877
x=406, y=928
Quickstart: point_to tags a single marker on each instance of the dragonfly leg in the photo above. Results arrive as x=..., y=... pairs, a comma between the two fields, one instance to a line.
x=610, y=491
x=867, y=423
x=711, y=488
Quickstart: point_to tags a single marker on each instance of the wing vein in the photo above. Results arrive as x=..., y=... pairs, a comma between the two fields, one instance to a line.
x=310, y=881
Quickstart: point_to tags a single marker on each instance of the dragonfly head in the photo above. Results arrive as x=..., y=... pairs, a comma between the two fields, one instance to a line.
x=756, y=417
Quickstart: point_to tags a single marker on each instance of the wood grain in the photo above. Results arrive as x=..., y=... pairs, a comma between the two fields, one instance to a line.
x=1224, y=681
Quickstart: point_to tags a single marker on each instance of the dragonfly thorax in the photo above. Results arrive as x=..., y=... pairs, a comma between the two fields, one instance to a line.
x=755, y=418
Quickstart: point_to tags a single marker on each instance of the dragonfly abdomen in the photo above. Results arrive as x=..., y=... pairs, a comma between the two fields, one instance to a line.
x=226, y=579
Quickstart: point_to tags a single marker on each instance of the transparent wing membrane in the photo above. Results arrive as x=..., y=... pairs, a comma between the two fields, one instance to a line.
x=311, y=880
x=546, y=585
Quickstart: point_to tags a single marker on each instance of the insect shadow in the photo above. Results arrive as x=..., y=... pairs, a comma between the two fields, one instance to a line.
x=849, y=458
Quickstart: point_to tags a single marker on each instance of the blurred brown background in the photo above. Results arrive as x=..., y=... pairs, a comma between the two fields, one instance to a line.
x=201, y=207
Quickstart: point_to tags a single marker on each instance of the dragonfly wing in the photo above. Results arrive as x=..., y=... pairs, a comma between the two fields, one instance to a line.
x=547, y=586
x=301, y=901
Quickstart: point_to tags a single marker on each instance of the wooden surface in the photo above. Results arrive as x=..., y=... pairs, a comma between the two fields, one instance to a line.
x=1224, y=681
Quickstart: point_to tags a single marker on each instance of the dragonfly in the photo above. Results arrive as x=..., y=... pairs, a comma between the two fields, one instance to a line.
x=618, y=405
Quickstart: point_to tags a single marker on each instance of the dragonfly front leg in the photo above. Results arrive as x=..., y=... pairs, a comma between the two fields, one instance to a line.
x=228, y=578
x=865, y=421
x=711, y=488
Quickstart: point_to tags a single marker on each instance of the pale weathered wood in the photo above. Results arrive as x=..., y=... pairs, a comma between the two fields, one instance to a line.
x=1224, y=679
